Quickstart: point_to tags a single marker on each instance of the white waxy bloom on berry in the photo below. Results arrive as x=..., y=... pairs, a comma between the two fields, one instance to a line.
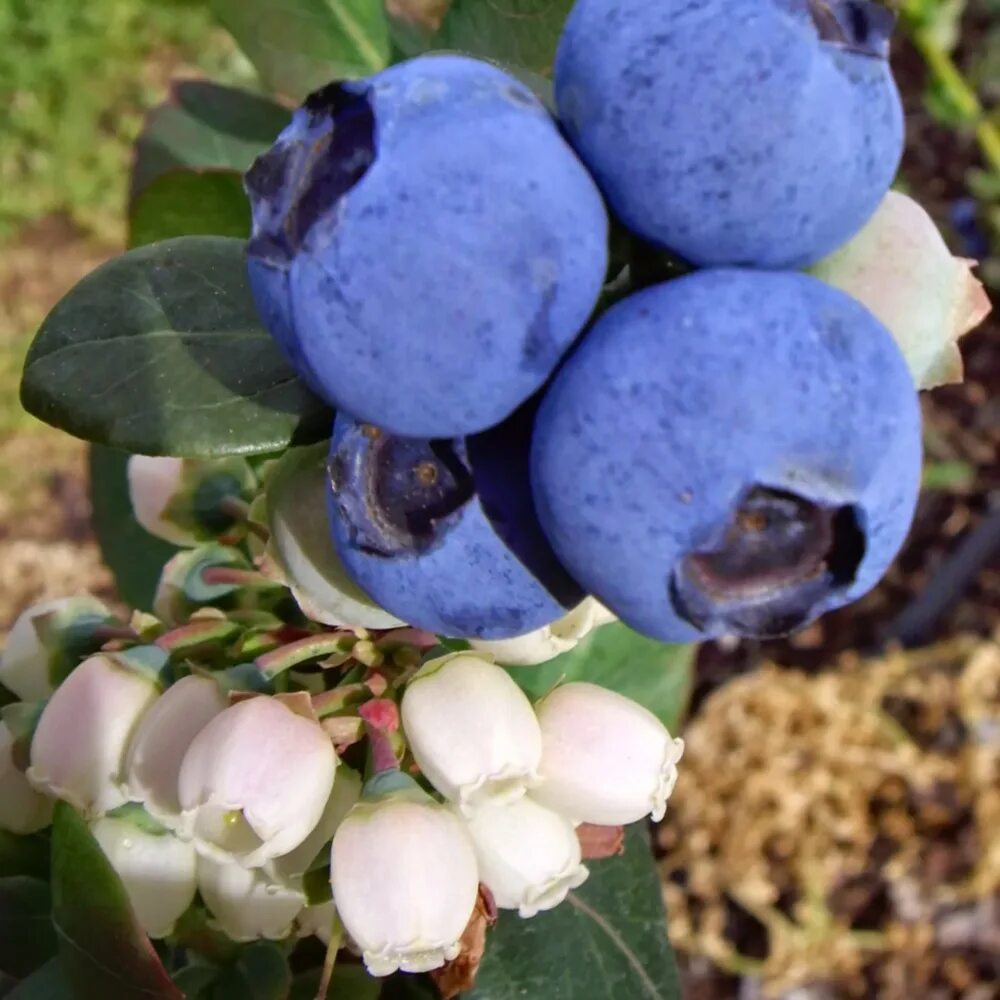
x=550, y=641
x=899, y=266
x=472, y=731
x=529, y=856
x=405, y=880
x=255, y=781
x=246, y=903
x=605, y=758
x=157, y=870
x=164, y=734
x=78, y=750
x=22, y=809
x=46, y=641
x=178, y=499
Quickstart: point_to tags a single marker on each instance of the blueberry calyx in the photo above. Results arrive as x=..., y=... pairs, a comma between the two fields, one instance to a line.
x=856, y=25
x=409, y=488
x=779, y=557
x=300, y=180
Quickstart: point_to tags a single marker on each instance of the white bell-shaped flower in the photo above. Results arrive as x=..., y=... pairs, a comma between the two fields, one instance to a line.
x=899, y=266
x=78, y=750
x=43, y=638
x=157, y=870
x=549, y=641
x=22, y=809
x=529, y=856
x=317, y=921
x=153, y=762
x=605, y=758
x=472, y=731
x=405, y=881
x=246, y=903
x=255, y=781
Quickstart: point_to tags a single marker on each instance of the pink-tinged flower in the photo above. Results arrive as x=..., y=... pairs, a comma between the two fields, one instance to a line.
x=529, y=856
x=405, y=881
x=157, y=870
x=472, y=731
x=22, y=809
x=255, y=781
x=46, y=641
x=164, y=734
x=78, y=750
x=605, y=758
x=248, y=904
x=177, y=499
x=899, y=266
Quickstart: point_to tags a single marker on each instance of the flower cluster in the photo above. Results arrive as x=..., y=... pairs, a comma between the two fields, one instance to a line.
x=217, y=749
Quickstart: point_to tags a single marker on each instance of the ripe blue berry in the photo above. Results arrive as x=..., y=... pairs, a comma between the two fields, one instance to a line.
x=733, y=452
x=426, y=245
x=744, y=132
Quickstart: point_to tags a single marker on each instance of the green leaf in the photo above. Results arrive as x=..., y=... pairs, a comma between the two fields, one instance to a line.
x=101, y=945
x=24, y=855
x=522, y=32
x=186, y=203
x=134, y=556
x=300, y=45
x=260, y=972
x=161, y=352
x=204, y=126
x=47, y=983
x=350, y=982
x=27, y=939
x=655, y=674
x=609, y=939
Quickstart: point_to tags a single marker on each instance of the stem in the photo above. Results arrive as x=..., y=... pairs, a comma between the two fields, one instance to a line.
x=383, y=754
x=943, y=68
x=310, y=648
x=239, y=577
x=106, y=633
x=239, y=510
x=330, y=962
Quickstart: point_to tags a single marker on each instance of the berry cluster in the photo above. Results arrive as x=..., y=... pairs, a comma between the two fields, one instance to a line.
x=734, y=451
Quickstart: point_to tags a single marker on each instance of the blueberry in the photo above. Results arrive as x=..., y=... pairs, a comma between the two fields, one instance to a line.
x=733, y=452
x=742, y=132
x=442, y=533
x=426, y=245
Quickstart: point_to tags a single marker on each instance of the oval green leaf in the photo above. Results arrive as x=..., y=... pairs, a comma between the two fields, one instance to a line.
x=102, y=948
x=608, y=939
x=522, y=32
x=190, y=203
x=300, y=45
x=46, y=983
x=204, y=126
x=27, y=939
x=134, y=556
x=655, y=674
x=161, y=352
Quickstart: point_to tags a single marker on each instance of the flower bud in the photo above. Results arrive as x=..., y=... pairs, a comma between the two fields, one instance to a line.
x=549, y=641
x=46, y=643
x=255, y=781
x=900, y=268
x=153, y=762
x=246, y=903
x=22, y=809
x=605, y=758
x=346, y=792
x=179, y=499
x=472, y=731
x=404, y=880
x=529, y=856
x=157, y=870
x=300, y=551
x=78, y=749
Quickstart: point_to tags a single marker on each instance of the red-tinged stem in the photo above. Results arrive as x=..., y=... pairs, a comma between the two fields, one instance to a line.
x=310, y=648
x=106, y=633
x=238, y=577
x=383, y=754
x=239, y=510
